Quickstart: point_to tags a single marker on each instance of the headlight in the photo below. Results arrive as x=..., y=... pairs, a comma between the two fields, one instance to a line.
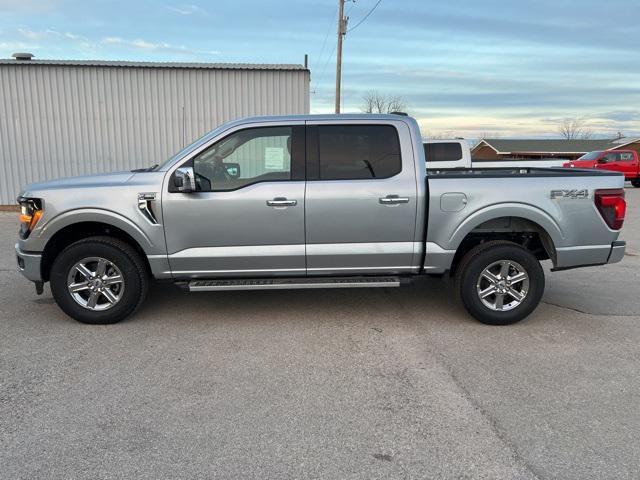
x=30, y=213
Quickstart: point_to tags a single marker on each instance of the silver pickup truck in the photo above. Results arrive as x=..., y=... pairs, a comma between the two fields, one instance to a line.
x=314, y=202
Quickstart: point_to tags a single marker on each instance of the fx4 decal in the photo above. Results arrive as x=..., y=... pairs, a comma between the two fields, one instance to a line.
x=574, y=194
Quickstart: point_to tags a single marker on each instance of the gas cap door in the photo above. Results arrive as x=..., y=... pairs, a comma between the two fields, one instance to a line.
x=453, y=201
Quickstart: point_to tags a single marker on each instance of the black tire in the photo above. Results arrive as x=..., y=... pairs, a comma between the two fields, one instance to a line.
x=471, y=268
x=120, y=254
x=636, y=183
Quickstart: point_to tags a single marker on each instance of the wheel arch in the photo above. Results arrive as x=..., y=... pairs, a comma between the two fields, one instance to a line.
x=530, y=228
x=526, y=212
x=72, y=232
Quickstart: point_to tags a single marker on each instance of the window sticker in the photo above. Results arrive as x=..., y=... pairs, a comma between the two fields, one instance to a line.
x=274, y=158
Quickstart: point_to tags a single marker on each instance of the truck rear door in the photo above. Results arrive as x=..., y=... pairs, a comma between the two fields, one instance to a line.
x=622, y=162
x=360, y=201
x=628, y=164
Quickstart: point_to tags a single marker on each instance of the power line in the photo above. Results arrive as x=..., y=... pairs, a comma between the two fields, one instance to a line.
x=324, y=68
x=342, y=30
x=350, y=8
x=324, y=44
x=365, y=17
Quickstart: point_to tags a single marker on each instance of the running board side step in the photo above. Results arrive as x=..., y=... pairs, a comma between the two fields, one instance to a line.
x=294, y=283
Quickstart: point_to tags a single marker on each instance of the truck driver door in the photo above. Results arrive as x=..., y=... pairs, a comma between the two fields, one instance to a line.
x=246, y=217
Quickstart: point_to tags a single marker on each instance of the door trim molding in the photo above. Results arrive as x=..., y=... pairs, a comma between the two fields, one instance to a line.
x=359, y=248
x=241, y=251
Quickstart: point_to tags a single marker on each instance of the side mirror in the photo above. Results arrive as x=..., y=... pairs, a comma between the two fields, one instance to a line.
x=232, y=169
x=602, y=160
x=184, y=180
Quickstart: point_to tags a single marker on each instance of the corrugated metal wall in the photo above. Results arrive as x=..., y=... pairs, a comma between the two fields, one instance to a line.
x=58, y=121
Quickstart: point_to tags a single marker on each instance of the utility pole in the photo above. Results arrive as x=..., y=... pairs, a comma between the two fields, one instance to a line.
x=342, y=29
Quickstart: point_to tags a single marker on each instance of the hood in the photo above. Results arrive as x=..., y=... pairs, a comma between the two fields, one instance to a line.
x=84, y=181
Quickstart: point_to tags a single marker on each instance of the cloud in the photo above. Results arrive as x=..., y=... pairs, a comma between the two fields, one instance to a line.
x=32, y=34
x=53, y=37
x=187, y=10
x=26, y=6
x=34, y=39
x=48, y=33
x=140, y=44
x=624, y=115
x=15, y=46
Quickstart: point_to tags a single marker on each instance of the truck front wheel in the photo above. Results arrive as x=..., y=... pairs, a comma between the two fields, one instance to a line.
x=500, y=282
x=99, y=280
x=636, y=182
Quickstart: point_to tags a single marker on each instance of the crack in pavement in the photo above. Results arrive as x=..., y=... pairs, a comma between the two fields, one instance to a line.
x=501, y=435
x=493, y=423
x=584, y=312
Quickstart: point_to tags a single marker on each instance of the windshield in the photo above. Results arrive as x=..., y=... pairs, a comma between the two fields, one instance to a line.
x=193, y=146
x=591, y=156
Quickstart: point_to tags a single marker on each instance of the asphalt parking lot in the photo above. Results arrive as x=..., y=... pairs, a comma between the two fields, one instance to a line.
x=381, y=383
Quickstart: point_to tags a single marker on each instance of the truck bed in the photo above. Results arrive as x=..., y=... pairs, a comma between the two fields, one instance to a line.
x=519, y=172
x=556, y=201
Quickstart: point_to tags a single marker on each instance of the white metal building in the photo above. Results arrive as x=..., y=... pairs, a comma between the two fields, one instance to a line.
x=63, y=118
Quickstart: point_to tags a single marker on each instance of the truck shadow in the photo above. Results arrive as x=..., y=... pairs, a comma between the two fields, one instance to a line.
x=426, y=298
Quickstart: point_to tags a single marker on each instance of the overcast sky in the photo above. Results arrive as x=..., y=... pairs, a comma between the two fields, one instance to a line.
x=463, y=67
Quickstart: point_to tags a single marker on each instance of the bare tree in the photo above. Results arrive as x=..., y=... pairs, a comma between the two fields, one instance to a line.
x=376, y=102
x=429, y=135
x=485, y=135
x=574, y=128
x=396, y=104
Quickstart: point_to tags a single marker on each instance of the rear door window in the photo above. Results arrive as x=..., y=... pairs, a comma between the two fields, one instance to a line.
x=358, y=152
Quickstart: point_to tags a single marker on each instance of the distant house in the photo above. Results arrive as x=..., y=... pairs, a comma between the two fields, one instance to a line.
x=497, y=149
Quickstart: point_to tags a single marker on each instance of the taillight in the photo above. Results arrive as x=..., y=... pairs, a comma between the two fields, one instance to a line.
x=30, y=213
x=612, y=206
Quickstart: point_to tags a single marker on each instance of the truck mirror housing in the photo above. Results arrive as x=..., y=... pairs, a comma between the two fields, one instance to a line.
x=184, y=180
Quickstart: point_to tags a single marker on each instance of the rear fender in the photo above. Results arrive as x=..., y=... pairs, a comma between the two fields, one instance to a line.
x=519, y=210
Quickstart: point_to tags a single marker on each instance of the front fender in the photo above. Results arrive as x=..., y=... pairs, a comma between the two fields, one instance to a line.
x=41, y=235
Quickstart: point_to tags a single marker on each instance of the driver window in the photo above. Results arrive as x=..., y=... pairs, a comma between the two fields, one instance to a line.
x=243, y=158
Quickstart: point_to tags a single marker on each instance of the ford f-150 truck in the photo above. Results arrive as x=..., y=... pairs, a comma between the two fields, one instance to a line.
x=309, y=202
x=623, y=161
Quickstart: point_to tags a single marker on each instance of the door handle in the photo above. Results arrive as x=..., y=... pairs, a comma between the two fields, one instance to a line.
x=281, y=202
x=393, y=200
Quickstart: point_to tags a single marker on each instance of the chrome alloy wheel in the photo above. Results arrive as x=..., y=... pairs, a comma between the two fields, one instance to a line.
x=503, y=285
x=95, y=283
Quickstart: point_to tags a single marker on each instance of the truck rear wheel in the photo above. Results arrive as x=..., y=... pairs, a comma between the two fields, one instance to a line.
x=500, y=282
x=99, y=280
x=636, y=182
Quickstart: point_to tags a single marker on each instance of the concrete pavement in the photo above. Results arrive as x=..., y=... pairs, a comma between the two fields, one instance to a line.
x=380, y=383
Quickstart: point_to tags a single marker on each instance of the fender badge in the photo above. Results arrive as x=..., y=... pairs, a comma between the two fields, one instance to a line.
x=573, y=194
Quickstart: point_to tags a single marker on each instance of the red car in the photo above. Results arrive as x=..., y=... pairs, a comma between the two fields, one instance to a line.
x=623, y=161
